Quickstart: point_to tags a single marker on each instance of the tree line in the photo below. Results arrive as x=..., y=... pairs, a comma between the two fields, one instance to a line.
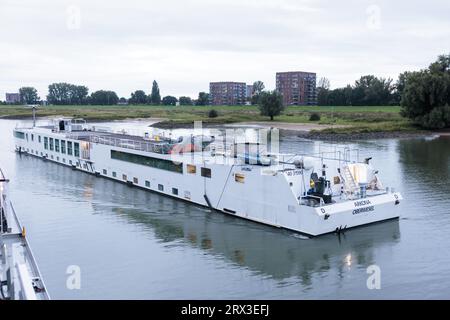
x=369, y=90
x=69, y=94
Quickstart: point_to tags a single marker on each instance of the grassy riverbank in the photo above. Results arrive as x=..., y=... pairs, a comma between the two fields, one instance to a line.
x=355, y=119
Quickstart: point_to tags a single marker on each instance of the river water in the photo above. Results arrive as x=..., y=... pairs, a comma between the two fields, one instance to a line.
x=132, y=244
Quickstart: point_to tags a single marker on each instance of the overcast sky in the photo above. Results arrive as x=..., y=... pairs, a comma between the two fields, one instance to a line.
x=183, y=44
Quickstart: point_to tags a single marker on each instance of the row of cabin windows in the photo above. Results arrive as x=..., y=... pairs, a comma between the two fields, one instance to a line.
x=60, y=146
x=136, y=181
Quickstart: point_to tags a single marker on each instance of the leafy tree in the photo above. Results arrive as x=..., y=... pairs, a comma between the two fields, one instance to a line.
x=155, y=96
x=169, y=101
x=28, y=95
x=270, y=104
x=426, y=95
x=323, y=90
x=138, y=97
x=203, y=99
x=103, y=97
x=123, y=100
x=185, y=101
x=66, y=93
x=324, y=83
x=258, y=88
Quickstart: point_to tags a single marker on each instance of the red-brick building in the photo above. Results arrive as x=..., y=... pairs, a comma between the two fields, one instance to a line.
x=297, y=88
x=227, y=93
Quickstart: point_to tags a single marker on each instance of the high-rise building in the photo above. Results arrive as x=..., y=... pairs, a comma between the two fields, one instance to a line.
x=12, y=98
x=297, y=87
x=249, y=93
x=227, y=93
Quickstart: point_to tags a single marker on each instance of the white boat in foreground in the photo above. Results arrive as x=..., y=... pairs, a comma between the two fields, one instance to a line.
x=312, y=194
x=20, y=278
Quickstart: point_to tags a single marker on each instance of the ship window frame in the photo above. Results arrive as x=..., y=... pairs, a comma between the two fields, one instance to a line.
x=147, y=183
x=76, y=149
x=239, y=177
x=63, y=146
x=70, y=148
x=206, y=172
x=175, y=191
x=39, y=139
x=46, y=143
x=160, y=187
x=124, y=177
x=56, y=145
x=105, y=172
x=19, y=134
x=135, y=180
x=114, y=174
x=51, y=144
x=157, y=163
x=191, y=168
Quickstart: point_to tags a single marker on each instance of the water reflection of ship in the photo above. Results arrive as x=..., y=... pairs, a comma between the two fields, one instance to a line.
x=259, y=248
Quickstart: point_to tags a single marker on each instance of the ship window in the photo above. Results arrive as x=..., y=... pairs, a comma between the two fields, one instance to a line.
x=57, y=158
x=32, y=137
x=70, y=162
x=69, y=148
x=148, y=161
x=191, y=168
x=239, y=177
x=19, y=135
x=51, y=144
x=51, y=156
x=124, y=177
x=57, y=145
x=135, y=180
x=39, y=139
x=206, y=172
x=160, y=187
x=45, y=143
x=76, y=147
x=105, y=172
x=114, y=174
x=63, y=146
x=147, y=183
x=64, y=160
x=175, y=191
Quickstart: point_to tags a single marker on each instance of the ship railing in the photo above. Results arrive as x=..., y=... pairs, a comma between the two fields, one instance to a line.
x=161, y=148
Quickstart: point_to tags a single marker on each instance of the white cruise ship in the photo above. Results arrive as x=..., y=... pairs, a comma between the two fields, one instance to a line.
x=312, y=194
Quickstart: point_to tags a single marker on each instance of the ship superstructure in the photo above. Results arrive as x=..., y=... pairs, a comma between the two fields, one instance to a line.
x=312, y=194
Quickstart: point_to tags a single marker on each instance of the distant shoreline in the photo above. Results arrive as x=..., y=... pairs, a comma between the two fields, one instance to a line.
x=337, y=123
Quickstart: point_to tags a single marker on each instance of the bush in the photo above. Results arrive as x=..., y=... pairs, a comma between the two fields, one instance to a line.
x=314, y=117
x=213, y=113
x=438, y=118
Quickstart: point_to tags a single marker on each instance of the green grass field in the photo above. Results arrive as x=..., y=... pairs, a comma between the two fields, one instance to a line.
x=361, y=119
